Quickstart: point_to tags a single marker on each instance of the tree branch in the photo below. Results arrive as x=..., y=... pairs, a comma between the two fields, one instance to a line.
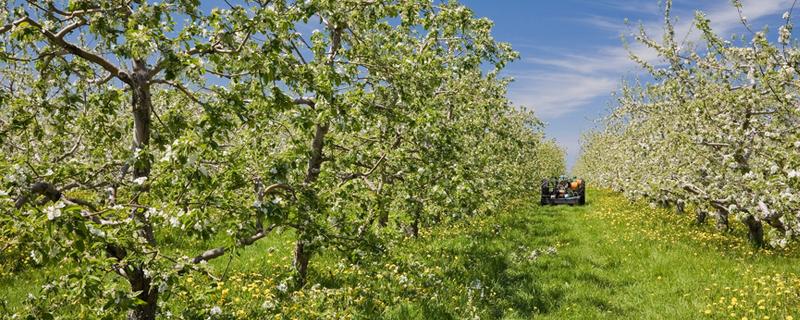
x=13, y=24
x=306, y=101
x=181, y=88
x=58, y=40
x=220, y=251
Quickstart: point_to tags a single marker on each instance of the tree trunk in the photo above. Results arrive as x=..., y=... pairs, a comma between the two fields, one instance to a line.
x=755, y=231
x=700, y=216
x=315, y=161
x=383, y=212
x=414, y=229
x=722, y=220
x=142, y=106
x=383, y=219
x=300, y=262
x=301, y=254
x=680, y=207
x=148, y=294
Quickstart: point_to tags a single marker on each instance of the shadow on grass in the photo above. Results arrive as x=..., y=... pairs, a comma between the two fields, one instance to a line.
x=514, y=266
x=501, y=268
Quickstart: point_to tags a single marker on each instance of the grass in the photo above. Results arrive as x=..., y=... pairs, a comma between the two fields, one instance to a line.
x=610, y=259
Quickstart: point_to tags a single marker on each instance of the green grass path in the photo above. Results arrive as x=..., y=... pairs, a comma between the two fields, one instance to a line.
x=616, y=260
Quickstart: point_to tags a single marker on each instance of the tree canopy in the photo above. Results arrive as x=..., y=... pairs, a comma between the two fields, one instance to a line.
x=128, y=125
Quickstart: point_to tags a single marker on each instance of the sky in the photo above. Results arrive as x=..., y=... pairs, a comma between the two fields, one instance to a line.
x=572, y=56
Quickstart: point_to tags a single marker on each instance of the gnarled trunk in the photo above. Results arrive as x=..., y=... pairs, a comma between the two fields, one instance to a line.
x=300, y=262
x=700, y=216
x=680, y=207
x=383, y=212
x=755, y=231
x=301, y=254
x=413, y=230
x=722, y=220
x=140, y=282
x=142, y=106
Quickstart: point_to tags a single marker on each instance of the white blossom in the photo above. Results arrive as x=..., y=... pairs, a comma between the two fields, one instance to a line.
x=54, y=211
x=168, y=154
x=282, y=287
x=203, y=170
x=784, y=33
x=216, y=310
x=96, y=232
x=140, y=180
x=34, y=256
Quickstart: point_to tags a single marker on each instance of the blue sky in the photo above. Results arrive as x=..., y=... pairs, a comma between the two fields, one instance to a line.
x=572, y=57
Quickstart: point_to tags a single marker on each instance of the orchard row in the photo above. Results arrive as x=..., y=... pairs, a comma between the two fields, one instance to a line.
x=128, y=124
x=717, y=130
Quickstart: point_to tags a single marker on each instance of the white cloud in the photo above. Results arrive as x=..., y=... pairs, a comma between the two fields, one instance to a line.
x=554, y=95
x=637, y=6
x=573, y=80
x=562, y=86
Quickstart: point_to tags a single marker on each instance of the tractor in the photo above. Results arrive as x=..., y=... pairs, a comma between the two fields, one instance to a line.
x=562, y=190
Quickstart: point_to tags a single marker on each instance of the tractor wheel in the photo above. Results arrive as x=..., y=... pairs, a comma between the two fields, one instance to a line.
x=582, y=199
x=545, y=193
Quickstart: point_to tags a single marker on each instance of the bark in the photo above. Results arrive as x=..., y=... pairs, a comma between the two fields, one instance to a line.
x=300, y=262
x=772, y=217
x=148, y=294
x=141, y=102
x=301, y=254
x=48, y=190
x=777, y=224
x=383, y=218
x=142, y=105
x=315, y=161
x=413, y=230
x=700, y=216
x=383, y=212
x=722, y=220
x=755, y=231
x=680, y=207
